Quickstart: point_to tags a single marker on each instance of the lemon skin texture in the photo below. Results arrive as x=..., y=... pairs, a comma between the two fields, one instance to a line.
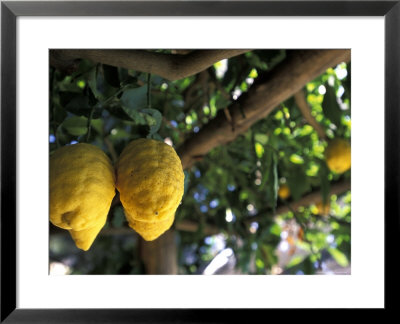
x=338, y=155
x=149, y=231
x=284, y=192
x=150, y=181
x=82, y=187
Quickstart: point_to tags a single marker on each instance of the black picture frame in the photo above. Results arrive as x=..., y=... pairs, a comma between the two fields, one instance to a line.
x=10, y=10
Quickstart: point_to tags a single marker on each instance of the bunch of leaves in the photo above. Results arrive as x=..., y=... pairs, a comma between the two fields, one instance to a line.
x=325, y=237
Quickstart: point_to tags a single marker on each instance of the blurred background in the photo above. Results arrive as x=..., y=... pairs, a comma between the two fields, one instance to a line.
x=260, y=201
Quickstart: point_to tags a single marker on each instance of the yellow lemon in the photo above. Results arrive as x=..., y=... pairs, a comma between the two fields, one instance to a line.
x=150, y=181
x=284, y=191
x=82, y=187
x=150, y=230
x=338, y=155
x=323, y=209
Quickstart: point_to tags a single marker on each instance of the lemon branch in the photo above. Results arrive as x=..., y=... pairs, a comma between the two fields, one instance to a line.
x=89, y=124
x=149, y=90
x=307, y=200
x=305, y=110
x=169, y=66
x=267, y=92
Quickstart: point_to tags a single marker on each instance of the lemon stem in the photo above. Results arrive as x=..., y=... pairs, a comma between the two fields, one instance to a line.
x=89, y=124
x=148, y=90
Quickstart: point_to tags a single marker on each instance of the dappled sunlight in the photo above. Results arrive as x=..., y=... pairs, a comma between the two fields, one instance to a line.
x=58, y=268
x=253, y=227
x=218, y=262
x=168, y=141
x=220, y=68
x=229, y=217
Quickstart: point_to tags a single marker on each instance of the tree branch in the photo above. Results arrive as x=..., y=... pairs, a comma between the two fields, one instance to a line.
x=169, y=66
x=270, y=89
x=160, y=256
x=305, y=109
x=307, y=200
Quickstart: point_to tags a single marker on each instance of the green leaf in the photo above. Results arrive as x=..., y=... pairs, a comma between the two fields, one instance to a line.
x=260, y=264
x=134, y=99
x=79, y=105
x=119, y=133
x=275, y=229
x=98, y=84
x=271, y=180
x=156, y=80
x=92, y=81
x=59, y=114
x=156, y=136
x=136, y=116
x=297, y=181
x=339, y=257
x=261, y=138
x=275, y=179
x=268, y=255
x=296, y=159
x=82, y=106
x=325, y=183
x=149, y=119
x=65, y=97
x=295, y=261
x=253, y=74
x=97, y=125
x=61, y=137
x=259, y=150
x=111, y=75
x=330, y=106
x=156, y=120
x=92, y=100
x=75, y=125
x=305, y=130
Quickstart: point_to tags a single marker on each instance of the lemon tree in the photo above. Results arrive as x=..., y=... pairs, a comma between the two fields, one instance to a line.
x=277, y=182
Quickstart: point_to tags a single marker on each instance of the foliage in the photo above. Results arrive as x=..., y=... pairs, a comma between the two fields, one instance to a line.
x=234, y=187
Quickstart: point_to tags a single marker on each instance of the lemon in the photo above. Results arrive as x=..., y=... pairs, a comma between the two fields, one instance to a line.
x=323, y=209
x=150, y=230
x=150, y=181
x=284, y=191
x=338, y=155
x=82, y=187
